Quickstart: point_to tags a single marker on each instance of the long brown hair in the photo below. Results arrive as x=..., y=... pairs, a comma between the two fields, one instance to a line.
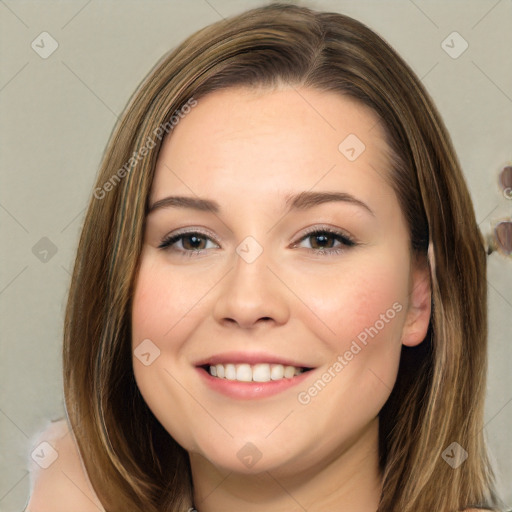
x=132, y=462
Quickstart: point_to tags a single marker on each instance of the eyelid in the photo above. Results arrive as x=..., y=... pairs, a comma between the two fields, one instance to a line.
x=348, y=241
x=171, y=238
x=191, y=230
x=325, y=228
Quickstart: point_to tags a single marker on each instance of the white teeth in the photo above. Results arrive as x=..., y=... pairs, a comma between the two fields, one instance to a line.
x=243, y=373
x=261, y=372
x=219, y=370
x=289, y=371
x=229, y=371
x=277, y=371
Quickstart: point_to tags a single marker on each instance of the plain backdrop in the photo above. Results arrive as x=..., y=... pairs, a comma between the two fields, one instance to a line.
x=58, y=112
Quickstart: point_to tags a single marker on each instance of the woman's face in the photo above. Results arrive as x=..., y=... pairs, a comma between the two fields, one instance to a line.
x=283, y=264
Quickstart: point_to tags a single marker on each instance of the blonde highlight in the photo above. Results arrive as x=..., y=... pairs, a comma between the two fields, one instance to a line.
x=438, y=397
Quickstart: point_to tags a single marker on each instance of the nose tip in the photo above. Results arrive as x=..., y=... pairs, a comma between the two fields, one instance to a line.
x=251, y=295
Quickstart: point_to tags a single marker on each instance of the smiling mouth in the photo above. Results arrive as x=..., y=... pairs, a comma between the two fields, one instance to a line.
x=261, y=372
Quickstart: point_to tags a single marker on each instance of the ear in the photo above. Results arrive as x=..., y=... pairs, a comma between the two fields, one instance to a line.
x=417, y=319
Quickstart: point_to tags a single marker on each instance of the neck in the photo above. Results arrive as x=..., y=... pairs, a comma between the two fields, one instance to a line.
x=349, y=480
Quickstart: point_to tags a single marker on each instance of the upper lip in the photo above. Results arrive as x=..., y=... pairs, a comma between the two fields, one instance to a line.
x=249, y=358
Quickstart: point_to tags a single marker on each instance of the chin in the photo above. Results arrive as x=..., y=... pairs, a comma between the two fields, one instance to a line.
x=245, y=455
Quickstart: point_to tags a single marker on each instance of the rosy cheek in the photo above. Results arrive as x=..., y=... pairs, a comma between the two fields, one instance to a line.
x=166, y=305
x=146, y=306
x=357, y=302
x=151, y=315
x=158, y=297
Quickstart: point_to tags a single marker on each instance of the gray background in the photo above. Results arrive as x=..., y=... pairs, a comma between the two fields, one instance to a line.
x=57, y=114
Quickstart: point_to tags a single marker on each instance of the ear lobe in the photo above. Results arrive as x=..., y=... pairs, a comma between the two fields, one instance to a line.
x=417, y=320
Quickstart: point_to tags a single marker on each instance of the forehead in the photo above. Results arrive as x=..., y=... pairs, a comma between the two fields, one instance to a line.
x=267, y=142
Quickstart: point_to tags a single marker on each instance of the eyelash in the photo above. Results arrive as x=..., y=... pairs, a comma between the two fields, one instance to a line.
x=345, y=240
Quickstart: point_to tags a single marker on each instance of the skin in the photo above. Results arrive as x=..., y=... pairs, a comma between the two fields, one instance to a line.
x=64, y=485
x=247, y=150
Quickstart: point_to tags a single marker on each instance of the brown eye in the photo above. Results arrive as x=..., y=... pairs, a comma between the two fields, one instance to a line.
x=325, y=241
x=193, y=242
x=187, y=243
x=322, y=240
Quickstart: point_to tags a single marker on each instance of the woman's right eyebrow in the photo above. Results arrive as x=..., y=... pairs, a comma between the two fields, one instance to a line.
x=300, y=201
x=195, y=203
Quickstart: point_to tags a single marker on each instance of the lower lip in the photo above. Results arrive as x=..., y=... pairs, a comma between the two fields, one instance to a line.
x=250, y=390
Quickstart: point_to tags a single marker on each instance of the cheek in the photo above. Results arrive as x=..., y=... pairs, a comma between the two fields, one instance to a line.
x=166, y=308
x=366, y=313
x=364, y=309
x=165, y=302
x=358, y=298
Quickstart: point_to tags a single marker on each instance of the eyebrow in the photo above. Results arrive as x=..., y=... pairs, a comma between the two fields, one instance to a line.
x=301, y=201
x=306, y=200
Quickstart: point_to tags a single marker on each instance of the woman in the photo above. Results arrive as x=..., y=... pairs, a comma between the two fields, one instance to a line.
x=279, y=296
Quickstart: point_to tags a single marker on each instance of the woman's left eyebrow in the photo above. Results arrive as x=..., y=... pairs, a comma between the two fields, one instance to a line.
x=305, y=200
x=301, y=201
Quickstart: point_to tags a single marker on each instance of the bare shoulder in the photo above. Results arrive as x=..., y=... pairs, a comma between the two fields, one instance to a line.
x=58, y=481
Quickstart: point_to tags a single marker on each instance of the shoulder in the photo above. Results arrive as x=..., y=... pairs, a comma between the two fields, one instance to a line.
x=58, y=480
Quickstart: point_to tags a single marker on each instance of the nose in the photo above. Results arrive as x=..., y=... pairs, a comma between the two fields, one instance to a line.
x=251, y=295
